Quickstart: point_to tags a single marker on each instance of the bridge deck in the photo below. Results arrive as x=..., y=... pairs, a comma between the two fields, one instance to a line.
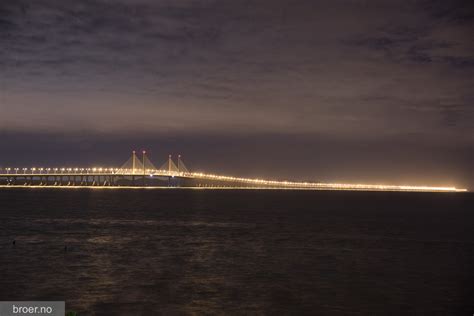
x=111, y=176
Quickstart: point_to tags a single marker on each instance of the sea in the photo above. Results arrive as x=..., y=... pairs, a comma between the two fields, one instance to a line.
x=238, y=252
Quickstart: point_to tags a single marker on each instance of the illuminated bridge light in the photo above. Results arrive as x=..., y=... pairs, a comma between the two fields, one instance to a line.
x=237, y=181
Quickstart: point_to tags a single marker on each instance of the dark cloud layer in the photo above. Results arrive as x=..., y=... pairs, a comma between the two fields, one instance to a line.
x=392, y=74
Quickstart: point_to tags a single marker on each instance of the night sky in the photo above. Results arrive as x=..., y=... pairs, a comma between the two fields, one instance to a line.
x=357, y=91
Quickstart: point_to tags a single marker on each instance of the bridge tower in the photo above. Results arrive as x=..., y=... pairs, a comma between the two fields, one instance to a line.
x=134, y=157
x=181, y=165
x=169, y=166
x=144, y=159
x=133, y=163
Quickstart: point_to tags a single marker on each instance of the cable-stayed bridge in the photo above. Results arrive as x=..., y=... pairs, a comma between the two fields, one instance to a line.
x=135, y=171
x=141, y=172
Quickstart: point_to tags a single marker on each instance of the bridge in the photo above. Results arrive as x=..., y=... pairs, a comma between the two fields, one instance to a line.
x=141, y=172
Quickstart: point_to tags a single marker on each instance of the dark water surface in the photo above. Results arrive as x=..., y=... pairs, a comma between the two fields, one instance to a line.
x=147, y=252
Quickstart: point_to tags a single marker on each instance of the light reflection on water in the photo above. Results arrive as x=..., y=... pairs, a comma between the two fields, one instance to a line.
x=184, y=252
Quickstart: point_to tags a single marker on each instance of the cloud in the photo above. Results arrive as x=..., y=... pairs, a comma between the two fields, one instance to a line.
x=342, y=67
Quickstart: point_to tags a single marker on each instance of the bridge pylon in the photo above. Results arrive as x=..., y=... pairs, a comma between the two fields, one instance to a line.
x=147, y=164
x=169, y=166
x=181, y=165
x=133, y=164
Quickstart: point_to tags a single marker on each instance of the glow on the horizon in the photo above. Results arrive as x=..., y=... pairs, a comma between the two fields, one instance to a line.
x=102, y=187
x=257, y=182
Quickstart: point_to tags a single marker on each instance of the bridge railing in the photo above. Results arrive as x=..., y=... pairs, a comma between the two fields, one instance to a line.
x=85, y=171
x=64, y=170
